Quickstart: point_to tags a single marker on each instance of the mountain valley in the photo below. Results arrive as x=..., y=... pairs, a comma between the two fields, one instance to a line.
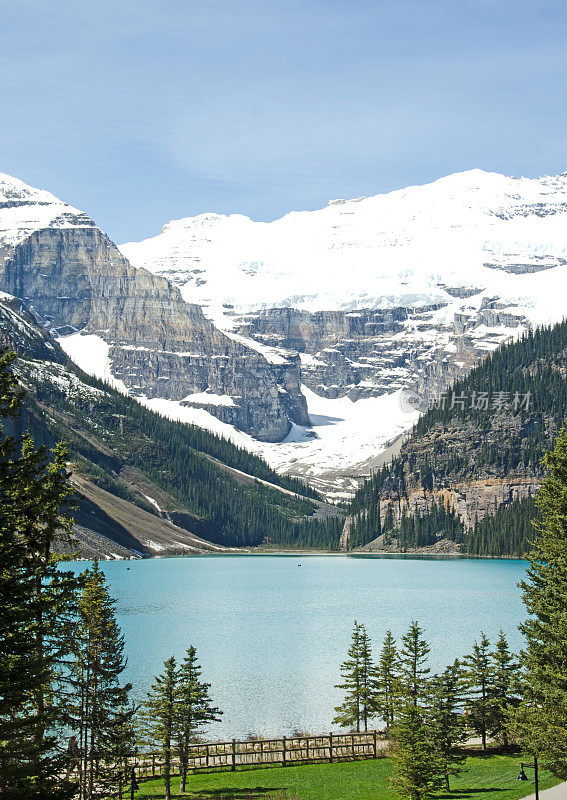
x=310, y=346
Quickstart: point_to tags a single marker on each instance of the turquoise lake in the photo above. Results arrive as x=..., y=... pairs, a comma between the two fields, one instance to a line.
x=270, y=634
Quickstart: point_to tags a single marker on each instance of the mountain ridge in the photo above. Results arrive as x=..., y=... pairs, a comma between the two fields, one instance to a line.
x=478, y=265
x=75, y=280
x=403, y=291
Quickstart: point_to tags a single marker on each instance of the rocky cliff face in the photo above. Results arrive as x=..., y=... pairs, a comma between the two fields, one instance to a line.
x=19, y=332
x=74, y=279
x=459, y=479
x=471, y=500
x=368, y=353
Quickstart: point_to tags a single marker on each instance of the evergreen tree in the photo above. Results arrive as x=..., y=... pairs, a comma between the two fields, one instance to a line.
x=385, y=678
x=356, y=708
x=194, y=708
x=505, y=532
x=38, y=606
x=367, y=667
x=540, y=722
x=159, y=717
x=417, y=768
x=417, y=765
x=503, y=690
x=102, y=718
x=413, y=665
x=445, y=719
x=479, y=676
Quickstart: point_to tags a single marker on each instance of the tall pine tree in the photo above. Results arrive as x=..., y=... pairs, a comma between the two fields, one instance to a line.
x=417, y=765
x=503, y=690
x=194, y=708
x=102, y=715
x=540, y=722
x=159, y=717
x=356, y=709
x=38, y=608
x=445, y=719
x=385, y=680
x=414, y=669
x=479, y=676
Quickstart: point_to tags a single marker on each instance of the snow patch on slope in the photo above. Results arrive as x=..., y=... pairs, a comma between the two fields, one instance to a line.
x=348, y=434
x=92, y=354
x=59, y=375
x=344, y=435
x=209, y=399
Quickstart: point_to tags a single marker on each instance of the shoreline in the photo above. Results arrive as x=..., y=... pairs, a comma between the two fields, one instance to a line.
x=308, y=553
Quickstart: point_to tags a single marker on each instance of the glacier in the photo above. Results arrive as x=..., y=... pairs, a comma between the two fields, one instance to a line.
x=502, y=236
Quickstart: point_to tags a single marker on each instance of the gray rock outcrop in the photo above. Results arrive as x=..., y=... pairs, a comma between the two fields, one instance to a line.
x=371, y=352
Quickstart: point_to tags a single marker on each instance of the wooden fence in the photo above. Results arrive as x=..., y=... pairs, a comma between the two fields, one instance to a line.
x=257, y=753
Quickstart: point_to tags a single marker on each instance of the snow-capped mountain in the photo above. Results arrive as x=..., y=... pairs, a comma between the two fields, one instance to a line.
x=417, y=246
x=304, y=332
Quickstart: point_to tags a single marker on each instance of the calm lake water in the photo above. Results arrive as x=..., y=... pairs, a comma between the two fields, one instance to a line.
x=271, y=634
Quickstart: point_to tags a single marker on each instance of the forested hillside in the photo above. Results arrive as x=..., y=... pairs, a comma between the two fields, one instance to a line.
x=124, y=448
x=470, y=468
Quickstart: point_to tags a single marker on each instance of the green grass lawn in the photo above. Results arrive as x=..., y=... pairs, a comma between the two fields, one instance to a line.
x=491, y=777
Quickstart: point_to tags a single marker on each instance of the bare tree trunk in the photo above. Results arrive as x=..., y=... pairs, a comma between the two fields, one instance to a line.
x=167, y=771
x=483, y=715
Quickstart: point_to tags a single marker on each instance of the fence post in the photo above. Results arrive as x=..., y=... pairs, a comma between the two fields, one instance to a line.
x=307, y=749
x=233, y=767
x=375, y=754
x=283, y=751
x=352, y=744
x=207, y=755
x=331, y=748
x=153, y=764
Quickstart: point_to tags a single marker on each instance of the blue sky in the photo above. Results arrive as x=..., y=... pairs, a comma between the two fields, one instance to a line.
x=140, y=111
